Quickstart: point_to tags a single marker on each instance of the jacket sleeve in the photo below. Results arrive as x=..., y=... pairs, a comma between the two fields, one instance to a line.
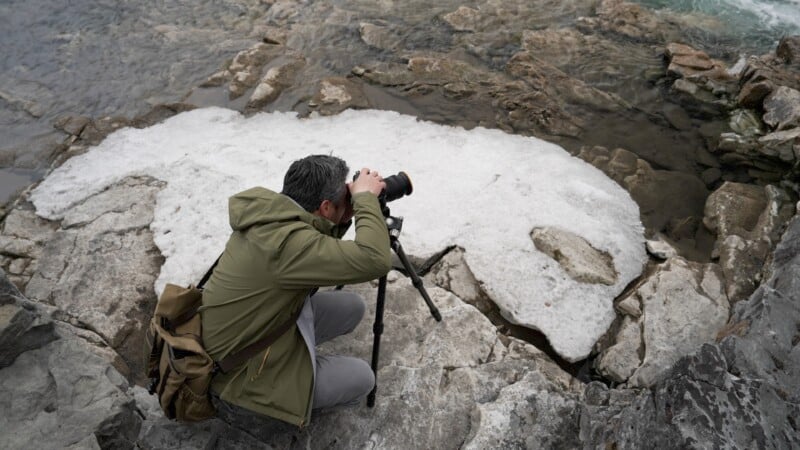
x=309, y=258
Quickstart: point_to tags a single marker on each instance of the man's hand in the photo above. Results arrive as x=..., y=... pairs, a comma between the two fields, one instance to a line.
x=367, y=181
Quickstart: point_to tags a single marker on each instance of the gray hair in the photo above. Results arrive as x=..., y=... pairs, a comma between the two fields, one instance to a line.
x=315, y=178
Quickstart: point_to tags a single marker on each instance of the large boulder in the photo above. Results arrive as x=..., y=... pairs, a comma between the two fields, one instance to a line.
x=57, y=384
x=740, y=393
x=747, y=220
x=683, y=306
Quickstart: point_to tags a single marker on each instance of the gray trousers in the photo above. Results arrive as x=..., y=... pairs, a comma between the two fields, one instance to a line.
x=340, y=380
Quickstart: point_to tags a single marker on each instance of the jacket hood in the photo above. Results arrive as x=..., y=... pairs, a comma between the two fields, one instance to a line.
x=260, y=206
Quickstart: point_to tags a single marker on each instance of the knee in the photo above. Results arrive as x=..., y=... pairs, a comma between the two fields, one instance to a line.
x=357, y=307
x=363, y=379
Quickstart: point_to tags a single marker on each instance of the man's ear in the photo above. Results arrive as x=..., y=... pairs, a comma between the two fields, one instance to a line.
x=325, y=209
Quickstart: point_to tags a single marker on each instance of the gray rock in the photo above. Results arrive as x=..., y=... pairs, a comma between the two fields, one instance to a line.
x=783, y=145
x=101, y=273
x=684, y=305
x=453, y=274
x=745, y=122
x=620, y=361
x=630, y=306
x=741, y=393
x=463, y=19
x=336, y=94
x=61, y=387
x=246, y=67
x=576, y=256
x=782, y=108
x=378, y=36
x=443, y=384
x=734, y=208
x=660, y=248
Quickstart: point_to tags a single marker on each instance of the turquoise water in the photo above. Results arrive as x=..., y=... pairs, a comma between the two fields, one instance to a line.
x=745, y=25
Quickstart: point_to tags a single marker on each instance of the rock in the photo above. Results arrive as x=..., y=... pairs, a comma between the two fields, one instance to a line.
x=217, y=79
x=630, y=306
x=655, y=191
x=696, y=66
x=458, y=370
x=81, y=269
x=73, y=125
x=378, y=36
x=783, y=145
x=59, y=385
x=618, y=362
x=97, y=130
x=684, y=304
x=336, y=94
x=734, y=208
x=246, y=67
x=745, y=122
x=453, y=274
x=789, y=49
x=274, y=82
x=577, y=257
x=463, y=19
x=761, y=76
x=660, y=248
x=630, y=20
x=21, y=328
x=710, y=176
x=782, y=108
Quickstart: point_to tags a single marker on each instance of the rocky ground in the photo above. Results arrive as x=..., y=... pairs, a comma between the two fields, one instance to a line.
x=704, y=352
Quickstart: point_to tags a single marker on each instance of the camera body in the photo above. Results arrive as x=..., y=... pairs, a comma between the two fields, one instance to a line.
x=397, y=186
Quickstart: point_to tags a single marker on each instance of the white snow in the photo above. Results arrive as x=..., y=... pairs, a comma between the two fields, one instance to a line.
x=480, y=189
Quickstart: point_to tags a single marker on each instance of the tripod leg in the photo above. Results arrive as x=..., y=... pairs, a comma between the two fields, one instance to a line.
x=377, y=330
x=415, y=279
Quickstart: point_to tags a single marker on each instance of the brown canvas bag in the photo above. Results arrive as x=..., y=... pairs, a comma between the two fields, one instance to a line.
x=178, y=366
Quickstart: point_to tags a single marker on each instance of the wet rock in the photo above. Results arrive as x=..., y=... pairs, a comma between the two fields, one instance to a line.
x=734, y=208
x=630, y=20
x=577, y=257
x=710, y=176
x=782, y=108
x=79, y=270
x=789, y=49
x=274, y=82
x=217, y=79
x=246, y=68
x=337, y=94
x=463, y=19
x=697, y=67
x=73, y=125
x=655, y=191
x=97, y=130
x=378, y=36
x=618, y=362
x=761, y=76
x=684, y=304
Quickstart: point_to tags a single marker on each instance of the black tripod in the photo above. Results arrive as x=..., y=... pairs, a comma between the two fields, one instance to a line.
x=394, y=224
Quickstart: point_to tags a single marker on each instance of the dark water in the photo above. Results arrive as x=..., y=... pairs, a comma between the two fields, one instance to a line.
x=104, y=57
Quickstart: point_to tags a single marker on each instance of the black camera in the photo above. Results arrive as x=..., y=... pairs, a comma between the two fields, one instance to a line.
x=396, y=186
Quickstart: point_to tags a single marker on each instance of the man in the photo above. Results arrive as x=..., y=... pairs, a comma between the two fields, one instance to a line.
x=282, y=248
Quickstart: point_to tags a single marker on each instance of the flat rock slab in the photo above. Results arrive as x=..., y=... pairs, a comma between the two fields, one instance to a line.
x=577, y=257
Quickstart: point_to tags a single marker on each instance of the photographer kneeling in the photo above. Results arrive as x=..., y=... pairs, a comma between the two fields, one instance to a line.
x=282, y=248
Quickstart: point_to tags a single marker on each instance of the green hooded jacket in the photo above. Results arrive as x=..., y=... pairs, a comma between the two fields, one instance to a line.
x=276, y=255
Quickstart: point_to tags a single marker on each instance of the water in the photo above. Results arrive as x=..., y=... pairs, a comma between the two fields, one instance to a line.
x=744, y=25
x=105, y=57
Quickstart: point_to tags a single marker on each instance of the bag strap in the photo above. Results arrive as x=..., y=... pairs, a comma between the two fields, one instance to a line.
x=187, y=315
x=239, y=358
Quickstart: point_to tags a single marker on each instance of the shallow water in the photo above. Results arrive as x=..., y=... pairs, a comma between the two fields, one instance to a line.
x=104, y=57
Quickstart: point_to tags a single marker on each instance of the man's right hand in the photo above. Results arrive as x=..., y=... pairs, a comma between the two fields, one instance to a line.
x=367, y=181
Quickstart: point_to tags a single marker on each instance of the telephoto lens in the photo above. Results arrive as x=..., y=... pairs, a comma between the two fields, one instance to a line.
x=397, y=186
